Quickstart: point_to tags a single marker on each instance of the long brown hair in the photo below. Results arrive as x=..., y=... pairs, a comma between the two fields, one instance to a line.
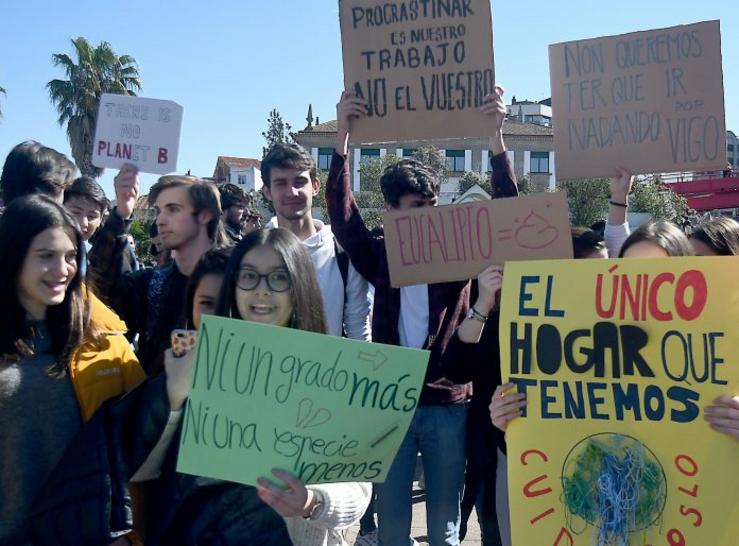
x=67, y=322
x=305, y=293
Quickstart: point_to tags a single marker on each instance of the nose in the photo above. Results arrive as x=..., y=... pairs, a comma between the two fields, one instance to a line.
x=84, y=224
x=294, y=191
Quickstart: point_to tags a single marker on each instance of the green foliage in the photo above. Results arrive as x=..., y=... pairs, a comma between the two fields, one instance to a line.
x=278, y=132
x=98, y=70
x=140, y=234
x=470, y=178
x=649, y=194
x=434, y=159
x=525, y=187
x=588, y=200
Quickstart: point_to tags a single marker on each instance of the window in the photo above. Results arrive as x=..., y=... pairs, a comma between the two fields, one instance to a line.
x=408, y=152
x=368, y=154
x=730, y=147
x=455, y=160
x=242, y=178
x=324, y=158
x=539, y=162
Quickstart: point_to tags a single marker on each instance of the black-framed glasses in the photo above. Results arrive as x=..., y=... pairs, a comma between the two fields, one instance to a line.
x=277, y=280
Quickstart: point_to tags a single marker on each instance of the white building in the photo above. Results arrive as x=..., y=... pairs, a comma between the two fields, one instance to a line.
x=526, y=111
x=242, y=171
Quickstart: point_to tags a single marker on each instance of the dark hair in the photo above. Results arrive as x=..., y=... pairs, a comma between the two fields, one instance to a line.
x=408, y=176
x=305, y=293
x=721, y=234
x=233, y=196
x=585, y=242
x=23, y=220
x=33, y=168
x=287, y=156
x=665, y=235
x=203, y=196
x=212, y=262
x=86, y=187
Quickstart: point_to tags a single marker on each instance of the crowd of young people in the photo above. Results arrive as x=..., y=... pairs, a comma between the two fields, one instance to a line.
x=90, y=428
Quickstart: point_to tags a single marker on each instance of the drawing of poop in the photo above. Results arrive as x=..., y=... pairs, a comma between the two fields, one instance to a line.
x=535, y=232
x=307, y=418
x=614, y=483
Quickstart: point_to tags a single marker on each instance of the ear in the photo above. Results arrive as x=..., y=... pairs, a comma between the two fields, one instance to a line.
x=266, y=192
x=204, y=216
x=316, y=184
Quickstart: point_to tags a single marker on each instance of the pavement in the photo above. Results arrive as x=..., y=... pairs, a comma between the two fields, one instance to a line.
x=418, y=527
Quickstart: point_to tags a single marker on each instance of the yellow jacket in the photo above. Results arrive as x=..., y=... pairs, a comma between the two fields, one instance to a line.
x=104, y=370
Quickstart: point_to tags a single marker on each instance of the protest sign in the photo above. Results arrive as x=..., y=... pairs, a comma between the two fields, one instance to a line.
x=618, y=358
x=143, y=132
x=456, y=242
x=327, y=409
x=648, y=101
x=423, y=67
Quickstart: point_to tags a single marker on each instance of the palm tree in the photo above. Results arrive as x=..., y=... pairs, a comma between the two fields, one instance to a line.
x=98, y=70
x=2, y=92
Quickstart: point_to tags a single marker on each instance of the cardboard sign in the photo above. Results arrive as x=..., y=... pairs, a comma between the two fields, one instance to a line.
x=456, y=242
x=618, y=358
x=423, y=67
x=327, y=409
x=648, y=101
x=143, y=132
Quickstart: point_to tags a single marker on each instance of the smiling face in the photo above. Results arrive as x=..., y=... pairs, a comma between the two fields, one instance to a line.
x=48, y=268
x=87, y=212
x=262, y=303
x=291, y=192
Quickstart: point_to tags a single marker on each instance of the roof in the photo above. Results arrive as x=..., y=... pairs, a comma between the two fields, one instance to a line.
x=239, y=162
x=510, y=127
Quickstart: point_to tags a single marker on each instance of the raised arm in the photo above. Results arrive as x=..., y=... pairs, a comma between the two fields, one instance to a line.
x=503, y=180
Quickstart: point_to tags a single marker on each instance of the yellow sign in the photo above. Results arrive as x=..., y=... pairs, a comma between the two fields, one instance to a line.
x=618, y=358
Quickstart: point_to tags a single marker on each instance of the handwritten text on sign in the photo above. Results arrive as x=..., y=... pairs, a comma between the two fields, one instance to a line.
x=328, y=409
x=648, y=101
x=136, y=130
x=423, y=67
x=612, y=447
x=456, y=242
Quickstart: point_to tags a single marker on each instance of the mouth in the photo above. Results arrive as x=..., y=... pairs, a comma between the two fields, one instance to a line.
x=258, y=309
x=56, y=287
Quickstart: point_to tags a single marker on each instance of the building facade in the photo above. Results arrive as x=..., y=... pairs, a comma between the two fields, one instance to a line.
x=530, y=148
x=732, y=149
x=242, y=171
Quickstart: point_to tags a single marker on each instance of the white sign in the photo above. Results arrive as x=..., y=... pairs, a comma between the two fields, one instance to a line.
x=143, y=132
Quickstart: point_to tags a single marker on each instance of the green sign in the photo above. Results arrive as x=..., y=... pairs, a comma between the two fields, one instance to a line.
x=325, y=408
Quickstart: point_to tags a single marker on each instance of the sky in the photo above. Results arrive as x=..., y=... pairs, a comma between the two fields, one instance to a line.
x=228, y=63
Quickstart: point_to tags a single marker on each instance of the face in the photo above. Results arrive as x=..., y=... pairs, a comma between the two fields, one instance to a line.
x=234, y=214
x=176, y=219
x=702, y=249
x=206, y=297
x=291, y=192
x=87, y=213
x=645, y=249
x=262, y=304
x=413, y=201
x=49, y=267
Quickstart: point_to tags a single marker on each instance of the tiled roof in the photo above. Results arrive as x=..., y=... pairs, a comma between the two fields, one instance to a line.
x=511, y=127
x=242, y=162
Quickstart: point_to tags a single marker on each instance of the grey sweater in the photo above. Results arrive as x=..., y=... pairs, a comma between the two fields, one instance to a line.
x=39, y=415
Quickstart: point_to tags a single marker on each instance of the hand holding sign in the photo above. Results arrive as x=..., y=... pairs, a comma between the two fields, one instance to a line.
x=293, y=501
x=348, y=109
x=127, y=187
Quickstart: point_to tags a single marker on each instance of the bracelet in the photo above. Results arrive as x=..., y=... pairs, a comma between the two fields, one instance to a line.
x=614, y=203
x=474, y=314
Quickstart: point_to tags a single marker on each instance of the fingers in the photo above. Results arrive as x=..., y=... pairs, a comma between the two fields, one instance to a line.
x=288, y=479
x=505, y=406
x=727, y=400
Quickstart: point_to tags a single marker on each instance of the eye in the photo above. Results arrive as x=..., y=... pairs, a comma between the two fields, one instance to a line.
x=248, y=276
x=280, y=276
x=71, y=258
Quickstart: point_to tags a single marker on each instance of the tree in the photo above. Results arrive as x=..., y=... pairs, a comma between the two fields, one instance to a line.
x=2, y=92
x=98, y=70
x=370, y=201
x=649, y=194
x=470, y=178
x=587, y=200
x=278, y=132
x=432, y=157
x=140, y=234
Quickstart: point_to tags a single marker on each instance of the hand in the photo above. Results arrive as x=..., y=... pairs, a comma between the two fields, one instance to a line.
x=489, y=283
x=457, y=391
x=295, y=501
x=179, y=376
x=621, y=185
x=349, y=108
x=494, y=106
x=127, y=187
x=724, y=415
x=505, y=406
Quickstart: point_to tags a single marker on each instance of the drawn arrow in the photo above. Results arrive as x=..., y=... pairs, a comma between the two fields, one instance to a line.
x=377, y=359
